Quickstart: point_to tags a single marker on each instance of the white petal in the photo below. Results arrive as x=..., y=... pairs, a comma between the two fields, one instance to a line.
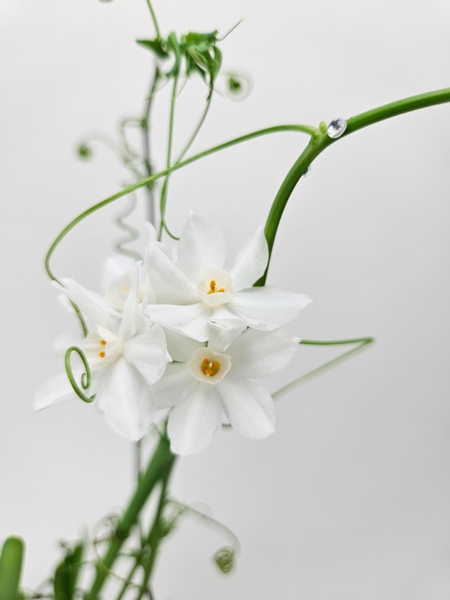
x=128, y=326
x=248, y=406
x=251, y=261
x=56, y=389
x=222, y=334
x=193, y=423
x=94, y=306
x=267, y=307
x=148, y=353
x=201, y=245
x=180, y=347
x=115, y=266
x=170, y=284
x=126, y=400
x=191, y=320
x=174, y=387
x=256, y=354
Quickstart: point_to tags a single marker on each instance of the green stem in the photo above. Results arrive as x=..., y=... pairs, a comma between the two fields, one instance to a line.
x=158, y=469
x=155, y=22
x=319, y=142
x=362, y=342
x=129, y=580
x=154, y=538
x=196, y=130
x=163, y=199
x=146, y=140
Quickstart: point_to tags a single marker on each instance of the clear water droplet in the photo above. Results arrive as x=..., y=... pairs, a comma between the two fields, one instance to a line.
x=307, y=172
x=336, y=128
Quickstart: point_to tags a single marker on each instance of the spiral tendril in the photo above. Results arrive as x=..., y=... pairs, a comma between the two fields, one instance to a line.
x=85, y=377
x=131, y=233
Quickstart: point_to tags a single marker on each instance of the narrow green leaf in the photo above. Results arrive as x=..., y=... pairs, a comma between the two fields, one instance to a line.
x=11, y=568
x=66, y=574
x=155, y=46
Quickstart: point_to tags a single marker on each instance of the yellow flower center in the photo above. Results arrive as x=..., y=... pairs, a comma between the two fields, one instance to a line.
x=212, y=288
x=210, y=367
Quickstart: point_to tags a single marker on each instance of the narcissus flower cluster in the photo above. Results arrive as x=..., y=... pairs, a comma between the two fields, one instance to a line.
x=182, y=331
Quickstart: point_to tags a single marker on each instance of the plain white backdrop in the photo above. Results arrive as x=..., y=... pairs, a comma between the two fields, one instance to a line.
x=349, y=500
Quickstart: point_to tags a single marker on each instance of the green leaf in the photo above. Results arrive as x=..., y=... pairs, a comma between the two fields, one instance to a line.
x=11, y=568
x=173, y=43
x=156, y=46
x=66, y=574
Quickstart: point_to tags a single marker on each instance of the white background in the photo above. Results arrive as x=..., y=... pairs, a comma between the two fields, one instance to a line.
x=350, y=498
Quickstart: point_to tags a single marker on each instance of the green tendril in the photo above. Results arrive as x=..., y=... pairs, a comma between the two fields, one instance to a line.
x=132, y=234
x=85, y=377
x=149, y=180
x=361, y=343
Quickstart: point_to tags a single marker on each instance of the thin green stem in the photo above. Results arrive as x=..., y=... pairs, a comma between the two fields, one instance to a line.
x=158, y=469
x=155, y=22
x=154, y=538
x=129, y=580
x=319, y=142
x=361, y=343
x=196, y=130
x=164, y=191
x=146, y=143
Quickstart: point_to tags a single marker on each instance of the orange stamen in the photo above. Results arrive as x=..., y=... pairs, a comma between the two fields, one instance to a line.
x=212, y=287
x=102, y=354
x=210, y=367
x=103, y=342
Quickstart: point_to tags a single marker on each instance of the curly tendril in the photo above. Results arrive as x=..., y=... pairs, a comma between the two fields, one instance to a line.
x=85, y=377
x=238, y=86
x=131, y=233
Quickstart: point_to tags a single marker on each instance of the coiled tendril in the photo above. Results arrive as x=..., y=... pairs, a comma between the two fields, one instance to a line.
x=85, y=377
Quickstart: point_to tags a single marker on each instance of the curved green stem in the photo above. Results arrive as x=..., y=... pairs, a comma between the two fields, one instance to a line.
x=146, y=142
x=155, y=22
x=361, y=343
x=159, y=468
x=319, y=142
x=164, y=191
x=152, y=178
x=196, y=130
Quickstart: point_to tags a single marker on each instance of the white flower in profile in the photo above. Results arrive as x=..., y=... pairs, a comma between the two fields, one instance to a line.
x=196, y=290
x=207, y=382
x=118, y=274
x=126, y=354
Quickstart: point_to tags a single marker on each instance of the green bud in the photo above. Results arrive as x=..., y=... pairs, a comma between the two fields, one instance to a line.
x=84, y=151
x=225, y=558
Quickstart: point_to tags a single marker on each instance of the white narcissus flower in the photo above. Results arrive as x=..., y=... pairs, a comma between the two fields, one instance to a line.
x=196, y=290
x=126, y=354
x=208, y=381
